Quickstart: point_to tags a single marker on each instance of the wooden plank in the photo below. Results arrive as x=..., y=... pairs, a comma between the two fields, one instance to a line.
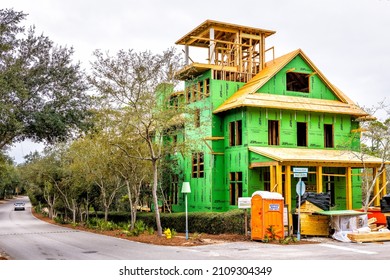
x=369, y=237
x=372, y=221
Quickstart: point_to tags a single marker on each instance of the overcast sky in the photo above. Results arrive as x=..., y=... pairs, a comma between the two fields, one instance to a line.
x=348, y=40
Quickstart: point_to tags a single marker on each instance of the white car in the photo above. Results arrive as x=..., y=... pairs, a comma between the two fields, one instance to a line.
x=19, y=206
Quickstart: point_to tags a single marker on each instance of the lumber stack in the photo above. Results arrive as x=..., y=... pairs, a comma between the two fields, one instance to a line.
x=374, y=236
x=377, y=233
x=313, y=224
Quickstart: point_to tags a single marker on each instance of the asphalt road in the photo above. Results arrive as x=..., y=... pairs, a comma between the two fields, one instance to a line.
x=23, y=237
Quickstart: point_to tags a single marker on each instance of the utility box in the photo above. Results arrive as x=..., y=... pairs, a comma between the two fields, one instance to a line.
x=267, y=216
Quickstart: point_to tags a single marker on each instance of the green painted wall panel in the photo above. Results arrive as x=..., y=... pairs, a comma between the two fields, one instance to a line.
x=211, y=193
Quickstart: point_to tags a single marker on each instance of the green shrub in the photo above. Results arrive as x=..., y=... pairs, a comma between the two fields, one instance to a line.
x=59, y=220
x=210, y=222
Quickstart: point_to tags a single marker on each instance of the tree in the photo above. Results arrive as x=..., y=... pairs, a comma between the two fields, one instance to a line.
x=41, y=175
x=93, y=157
x=138, y=84
x=9, y=177
x=43, y=96
x=376, y=142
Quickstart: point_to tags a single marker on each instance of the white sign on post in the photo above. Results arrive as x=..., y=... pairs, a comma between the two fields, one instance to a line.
x=300, y=169
x=300, y=175
x=244, y=202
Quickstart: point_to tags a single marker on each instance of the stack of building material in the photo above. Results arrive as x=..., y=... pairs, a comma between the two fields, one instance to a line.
x=374, y=233
x=313, y=224
x=373, y=236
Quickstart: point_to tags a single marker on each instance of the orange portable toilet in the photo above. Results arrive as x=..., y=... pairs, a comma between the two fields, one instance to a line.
x=267, y=215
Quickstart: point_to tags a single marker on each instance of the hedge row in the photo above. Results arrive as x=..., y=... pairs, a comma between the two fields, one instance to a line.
x=212, y=223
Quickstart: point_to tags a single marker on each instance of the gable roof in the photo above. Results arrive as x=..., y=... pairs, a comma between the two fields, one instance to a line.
x=247, y=96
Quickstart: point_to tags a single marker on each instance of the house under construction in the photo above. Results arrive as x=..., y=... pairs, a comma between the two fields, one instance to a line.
x=255, y=119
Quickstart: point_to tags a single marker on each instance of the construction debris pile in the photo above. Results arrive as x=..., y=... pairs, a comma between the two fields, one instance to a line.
x=374, y=232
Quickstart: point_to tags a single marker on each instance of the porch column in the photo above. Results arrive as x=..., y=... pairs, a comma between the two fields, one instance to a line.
x=319, y=179
x=384, y=182
x=287, y=187
x=287, y=195
x=272, y=179
x=376, y=188
x=279, y=179
x=348, y=179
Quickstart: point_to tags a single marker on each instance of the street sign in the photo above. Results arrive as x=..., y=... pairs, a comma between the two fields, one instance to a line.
x=301, y=187
x=300, y=169
x=300, y=175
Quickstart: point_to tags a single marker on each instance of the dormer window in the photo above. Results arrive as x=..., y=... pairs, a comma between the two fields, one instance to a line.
x=297, y=82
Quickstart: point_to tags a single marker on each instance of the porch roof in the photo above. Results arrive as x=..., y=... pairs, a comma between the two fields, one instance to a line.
x=315, y=157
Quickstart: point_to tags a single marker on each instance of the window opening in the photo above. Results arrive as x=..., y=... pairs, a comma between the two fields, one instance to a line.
x=207, y=87
x=301, y=134
x=273, y=132
x=267, y=179
x=200, y=88
x=235, y=133
x=297, y=82
x=194, y=96
x=197, y=165
x=197, y=118
x=235, y=187
x=328, y=133
x=188, y=95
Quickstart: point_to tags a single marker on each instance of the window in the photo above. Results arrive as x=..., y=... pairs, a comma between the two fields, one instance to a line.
x=194, y=92
x=207, y=87
x=297, y=82
x=235, y=133
x=174, y=101
x=273, y=132
x=197, y=165
x=197, y=118
x=188, y=95
x=302, y=134
x=328, y=133
x=200, y=88
x=235, y=186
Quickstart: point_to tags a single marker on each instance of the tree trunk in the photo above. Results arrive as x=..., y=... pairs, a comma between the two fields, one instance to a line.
x=105, y=213
x=155, y=198
x=133, y=212
x=74, y=208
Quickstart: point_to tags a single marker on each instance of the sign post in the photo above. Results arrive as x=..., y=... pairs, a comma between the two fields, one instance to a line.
x=245, y=203
x=300, y=172
x=186, y=189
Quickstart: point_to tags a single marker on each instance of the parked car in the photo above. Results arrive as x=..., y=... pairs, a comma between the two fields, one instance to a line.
x=19, y=206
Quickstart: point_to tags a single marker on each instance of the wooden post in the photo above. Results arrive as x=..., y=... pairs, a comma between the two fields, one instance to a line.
x=376, y=188
x=384, y=182
x=246, y=221
x=287, y=196
x=319, y=179
x=348, y=179
x=279, y=179
x=272, y=180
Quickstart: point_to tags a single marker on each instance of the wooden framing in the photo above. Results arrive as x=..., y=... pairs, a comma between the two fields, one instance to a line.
x=319, y=175
x=287, y=157
x=230, y=45
x=349, y=187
